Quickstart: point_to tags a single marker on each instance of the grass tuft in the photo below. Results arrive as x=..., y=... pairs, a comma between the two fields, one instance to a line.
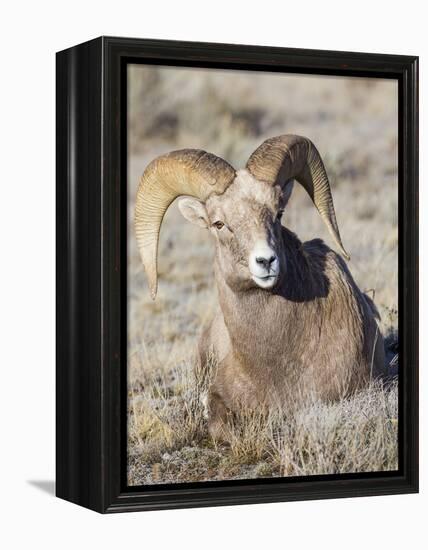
x=169, y=441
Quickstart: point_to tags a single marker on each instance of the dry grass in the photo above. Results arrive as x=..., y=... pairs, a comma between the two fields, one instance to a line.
x=354, y=124
x=169, y=442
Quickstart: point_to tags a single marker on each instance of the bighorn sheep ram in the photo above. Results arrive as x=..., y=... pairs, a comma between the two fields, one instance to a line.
x=292, y=321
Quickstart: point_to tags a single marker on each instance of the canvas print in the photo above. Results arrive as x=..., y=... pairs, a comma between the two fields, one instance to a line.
x=262, y=266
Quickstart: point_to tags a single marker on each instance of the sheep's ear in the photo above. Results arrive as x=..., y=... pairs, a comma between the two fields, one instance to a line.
x=194, y=211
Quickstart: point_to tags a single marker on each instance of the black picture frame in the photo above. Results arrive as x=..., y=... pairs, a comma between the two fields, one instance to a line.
x=91, y=273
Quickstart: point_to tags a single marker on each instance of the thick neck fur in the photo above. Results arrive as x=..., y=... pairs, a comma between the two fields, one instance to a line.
x=288, y=321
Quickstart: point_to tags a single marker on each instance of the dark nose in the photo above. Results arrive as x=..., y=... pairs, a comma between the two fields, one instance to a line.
x=266, y=262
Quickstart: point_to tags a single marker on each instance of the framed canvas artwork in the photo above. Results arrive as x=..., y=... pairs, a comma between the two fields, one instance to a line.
x=236, y=276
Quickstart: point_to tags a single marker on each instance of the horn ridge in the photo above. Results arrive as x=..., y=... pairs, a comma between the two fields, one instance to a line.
x=191, y=172
x=280, y=159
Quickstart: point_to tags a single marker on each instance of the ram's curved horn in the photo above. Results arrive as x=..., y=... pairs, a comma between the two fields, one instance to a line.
x=283, y=158
x=187, y=172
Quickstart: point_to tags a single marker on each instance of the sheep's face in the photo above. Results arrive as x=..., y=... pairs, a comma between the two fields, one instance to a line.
x=246, y=223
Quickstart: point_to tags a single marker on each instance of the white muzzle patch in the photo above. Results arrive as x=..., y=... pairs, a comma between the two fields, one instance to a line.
x=264, y=265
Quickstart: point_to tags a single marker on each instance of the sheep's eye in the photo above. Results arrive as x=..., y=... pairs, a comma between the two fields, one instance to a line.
x=218, y=225
x=279, y=215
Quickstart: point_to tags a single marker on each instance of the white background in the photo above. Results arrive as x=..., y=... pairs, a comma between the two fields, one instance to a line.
x=31, y=32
